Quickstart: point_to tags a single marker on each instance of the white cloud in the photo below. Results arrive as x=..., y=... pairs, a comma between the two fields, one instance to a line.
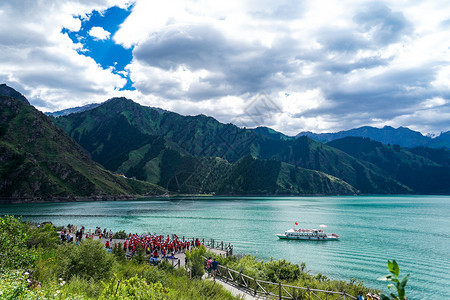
x=99, y=33
x=43, y=63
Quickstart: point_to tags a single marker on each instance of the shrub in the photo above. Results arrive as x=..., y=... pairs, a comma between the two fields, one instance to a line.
x=78, y=285
x=134, y=288
x=44, y=236
x=13, y=244
x=277, y=270
x=120, y=234
x=119, y=252
x=139, y=255
x=195, y=261
x=88, y=260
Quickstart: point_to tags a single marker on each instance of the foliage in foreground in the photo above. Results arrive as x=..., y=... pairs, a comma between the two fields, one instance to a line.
x=393, y=277
x=13, y=244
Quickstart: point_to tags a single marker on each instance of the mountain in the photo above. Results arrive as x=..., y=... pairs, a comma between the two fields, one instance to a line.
x=272, y=134
x=69, y=111
x=424, y=170
x=401, y=136
x=441, y=141
x=249, y=175
x=40, y=161
x=86, y=107
x=10, y=92
x=126, y=137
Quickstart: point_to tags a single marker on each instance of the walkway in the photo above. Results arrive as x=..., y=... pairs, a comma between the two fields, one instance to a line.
x=234, y=290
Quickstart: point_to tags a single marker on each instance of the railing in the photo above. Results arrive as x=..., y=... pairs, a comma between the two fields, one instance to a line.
x=212, y=244
x=276, y=290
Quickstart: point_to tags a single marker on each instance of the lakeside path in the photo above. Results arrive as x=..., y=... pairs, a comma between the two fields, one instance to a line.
x=233, y=289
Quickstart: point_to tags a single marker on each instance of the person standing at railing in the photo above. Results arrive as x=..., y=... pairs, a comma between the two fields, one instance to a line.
x=209, y=266
x=214, y=265
x=361, y=296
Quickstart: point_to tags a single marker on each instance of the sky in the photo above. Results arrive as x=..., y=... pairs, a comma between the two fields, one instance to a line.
x=320, y=66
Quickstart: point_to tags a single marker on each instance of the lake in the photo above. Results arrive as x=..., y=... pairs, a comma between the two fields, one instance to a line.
x=414, y=230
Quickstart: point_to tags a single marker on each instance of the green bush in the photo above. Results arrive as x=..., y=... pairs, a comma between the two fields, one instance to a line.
x=44, y=236
x=119, y=252
x=120, y=234
x=277, y=270
x=134, y=288
x=195, y=261
x=14, y=252
x=139, y=255
x=88, y=260
x=85, y=288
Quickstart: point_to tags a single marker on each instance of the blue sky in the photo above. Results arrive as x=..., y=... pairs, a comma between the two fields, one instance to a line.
x=101, y=48
x=323, y=66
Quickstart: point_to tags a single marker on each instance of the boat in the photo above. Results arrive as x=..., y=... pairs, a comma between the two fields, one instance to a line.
x=307, y=234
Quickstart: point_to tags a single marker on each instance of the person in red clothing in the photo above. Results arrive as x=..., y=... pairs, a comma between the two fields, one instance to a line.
x=107, y=244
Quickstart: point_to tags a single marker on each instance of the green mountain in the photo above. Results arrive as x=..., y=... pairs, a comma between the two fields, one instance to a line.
x=402, y=136
x=10, y=92
x=40, y=161
x=69, y=111
x=422, y=169
x=126, y=137
x=272, y=134
x=249, y=175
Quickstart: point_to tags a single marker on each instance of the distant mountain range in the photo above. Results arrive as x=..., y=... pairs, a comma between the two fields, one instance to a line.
x=202, y=154
x=39, y=161
x=425, y=170
x=198, y=154
x=388, y=135
x=401, y=136
x=190, y=154
x=73, y=110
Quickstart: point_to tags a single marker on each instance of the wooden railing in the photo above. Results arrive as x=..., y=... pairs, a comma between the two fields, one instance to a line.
x=276, y=290
x=213, y=244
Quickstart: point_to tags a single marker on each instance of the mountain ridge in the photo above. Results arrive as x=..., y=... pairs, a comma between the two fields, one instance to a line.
x=40, y=162
x=401, y=136
x=202, y=136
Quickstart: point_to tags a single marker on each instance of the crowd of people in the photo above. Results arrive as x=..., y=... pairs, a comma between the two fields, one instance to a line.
x=70, y=234
x=154, y=246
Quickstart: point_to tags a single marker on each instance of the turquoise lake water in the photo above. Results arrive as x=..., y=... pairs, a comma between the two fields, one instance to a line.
x=414, y=230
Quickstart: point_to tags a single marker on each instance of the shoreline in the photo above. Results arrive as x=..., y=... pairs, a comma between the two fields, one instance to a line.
x=69, y=199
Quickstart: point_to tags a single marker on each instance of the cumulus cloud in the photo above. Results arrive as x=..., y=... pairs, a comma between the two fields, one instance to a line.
x=98, y=33
x=42, y=62
x=343, y=64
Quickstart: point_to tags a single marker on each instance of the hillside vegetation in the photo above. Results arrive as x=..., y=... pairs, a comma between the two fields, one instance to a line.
x=39, y=161
x=105, y=133
x=422, y=169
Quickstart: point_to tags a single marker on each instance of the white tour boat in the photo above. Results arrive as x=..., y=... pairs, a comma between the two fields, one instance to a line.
x=307, y=234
